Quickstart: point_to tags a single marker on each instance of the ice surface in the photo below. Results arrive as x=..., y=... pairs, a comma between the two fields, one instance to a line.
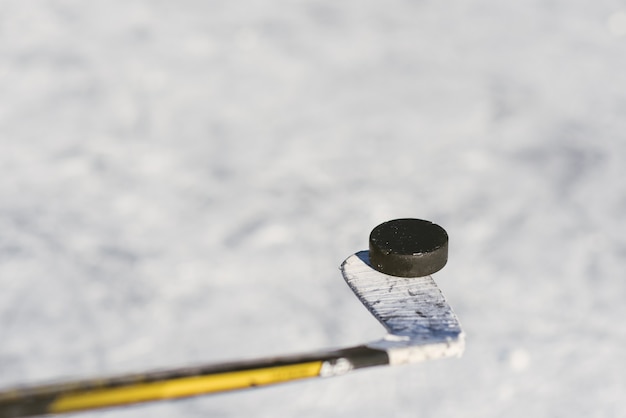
x=180, y=182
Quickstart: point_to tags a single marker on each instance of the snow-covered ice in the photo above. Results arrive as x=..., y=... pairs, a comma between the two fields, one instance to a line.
x=181, y=180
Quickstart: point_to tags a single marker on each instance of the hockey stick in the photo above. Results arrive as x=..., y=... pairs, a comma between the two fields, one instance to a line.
x=420, y=324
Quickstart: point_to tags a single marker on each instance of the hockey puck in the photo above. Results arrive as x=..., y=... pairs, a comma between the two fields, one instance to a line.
x=408, y=248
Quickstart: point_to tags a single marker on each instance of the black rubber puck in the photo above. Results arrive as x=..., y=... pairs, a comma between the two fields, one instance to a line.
x=408, y=248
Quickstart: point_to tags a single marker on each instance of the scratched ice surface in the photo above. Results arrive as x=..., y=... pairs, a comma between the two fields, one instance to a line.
x=179, y=182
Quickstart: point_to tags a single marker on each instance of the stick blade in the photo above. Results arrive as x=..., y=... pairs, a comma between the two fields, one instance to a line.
x=421, y=324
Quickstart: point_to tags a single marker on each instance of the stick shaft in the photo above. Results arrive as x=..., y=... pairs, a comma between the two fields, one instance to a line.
x=180, y=383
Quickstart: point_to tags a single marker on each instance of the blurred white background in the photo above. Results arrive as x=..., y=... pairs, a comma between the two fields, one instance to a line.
x=180, y=181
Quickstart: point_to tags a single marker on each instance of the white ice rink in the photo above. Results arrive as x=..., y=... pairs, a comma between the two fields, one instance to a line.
x=179, y=182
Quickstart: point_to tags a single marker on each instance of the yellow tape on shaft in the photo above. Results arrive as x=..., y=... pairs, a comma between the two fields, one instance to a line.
x=182, y=387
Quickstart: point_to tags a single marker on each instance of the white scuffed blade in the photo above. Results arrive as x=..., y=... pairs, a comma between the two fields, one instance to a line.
x=420, y=322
